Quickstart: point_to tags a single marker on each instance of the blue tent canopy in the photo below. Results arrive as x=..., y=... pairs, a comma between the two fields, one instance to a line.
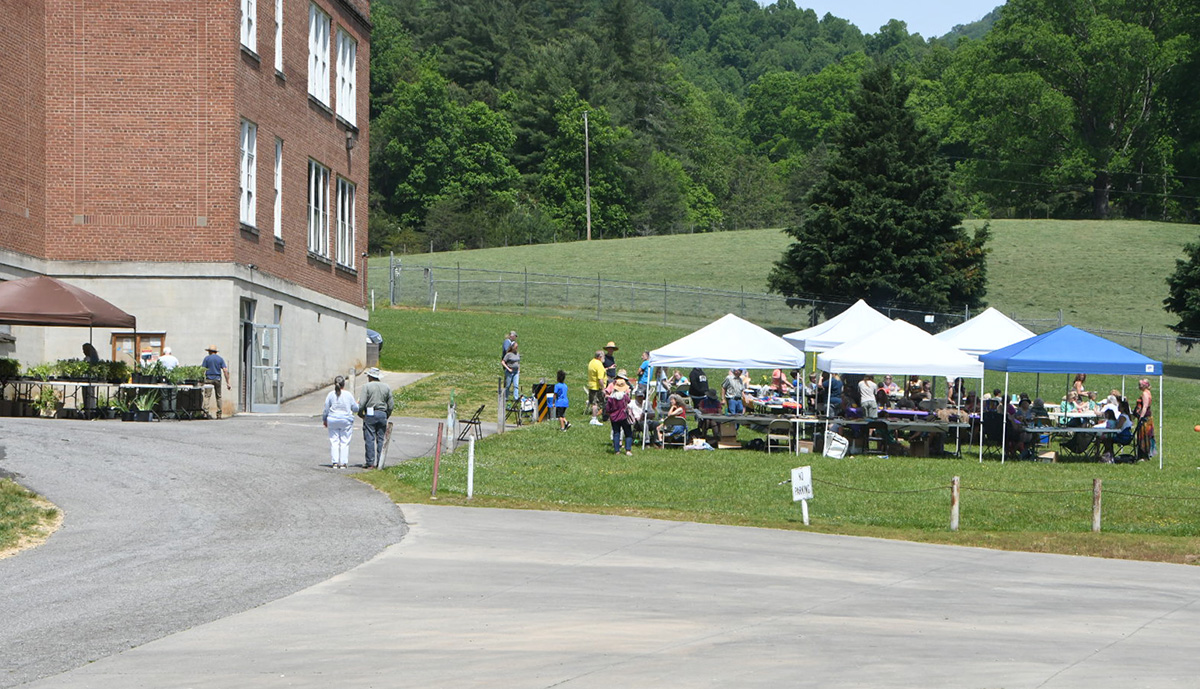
x=1071, y=350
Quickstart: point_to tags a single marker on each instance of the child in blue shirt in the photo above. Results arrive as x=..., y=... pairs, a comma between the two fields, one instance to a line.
x=560, y=401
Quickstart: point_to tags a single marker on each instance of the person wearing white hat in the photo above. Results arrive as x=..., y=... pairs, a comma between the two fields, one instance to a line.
x=375, y=408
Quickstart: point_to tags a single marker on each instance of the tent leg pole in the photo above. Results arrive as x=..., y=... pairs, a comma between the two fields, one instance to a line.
x=1158, y=431
x=1004, y=428
x=980, y=419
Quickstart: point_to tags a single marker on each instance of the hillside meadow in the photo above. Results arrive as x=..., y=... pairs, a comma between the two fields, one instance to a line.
x=1101, y=274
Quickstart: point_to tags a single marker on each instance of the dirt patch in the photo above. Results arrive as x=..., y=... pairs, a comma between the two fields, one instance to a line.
x=40, y=533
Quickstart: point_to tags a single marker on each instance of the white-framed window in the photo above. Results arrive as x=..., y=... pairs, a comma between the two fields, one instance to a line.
x=249, y=24
x=279, y=36
x=318, y=54
x=347, y=53
x=278, y=219
x=249, y=144
x=318, y=208
x=345, y=222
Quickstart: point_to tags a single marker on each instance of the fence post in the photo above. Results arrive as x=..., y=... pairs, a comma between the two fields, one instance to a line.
x=1060, y=318
x=743, y=301
x=1095, y=505
x=664, y=302
x=1141, y=336
x=954, y=504
x=392, y=278
x=458, y=271
x=437, y=462
x=527, y=290
x=500, y=415
x=598, y=284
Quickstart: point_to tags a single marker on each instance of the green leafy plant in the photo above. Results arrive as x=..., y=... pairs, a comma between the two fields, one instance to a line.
x=46, y=401
x=120, y=404
x=39, y=372
x=146, y=400
x=9, y=369
x=116, y=372
x=181, y=373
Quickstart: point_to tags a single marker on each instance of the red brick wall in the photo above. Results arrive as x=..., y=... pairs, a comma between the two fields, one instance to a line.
x=281, y=108
x=136, y=165
x=22, y=126
x=142, y=108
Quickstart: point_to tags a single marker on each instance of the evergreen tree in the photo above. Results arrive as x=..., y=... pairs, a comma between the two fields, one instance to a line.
x=882, y=224
x=1183, y=294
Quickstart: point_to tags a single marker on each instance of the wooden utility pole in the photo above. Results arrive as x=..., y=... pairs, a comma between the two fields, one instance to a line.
x=587, y=177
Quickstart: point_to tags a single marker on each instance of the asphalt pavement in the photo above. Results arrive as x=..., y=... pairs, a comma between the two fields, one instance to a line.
x=228, y=554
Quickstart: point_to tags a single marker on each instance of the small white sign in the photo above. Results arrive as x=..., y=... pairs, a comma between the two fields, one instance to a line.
x=1149, y=368
x=802, y=487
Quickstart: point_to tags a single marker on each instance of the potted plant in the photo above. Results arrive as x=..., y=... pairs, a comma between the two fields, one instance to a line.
x=144, y=405
x=115, y=372
x=47, y=403
x=9, y=369
x=121, y=407
x=39, y=372
x=105, y=408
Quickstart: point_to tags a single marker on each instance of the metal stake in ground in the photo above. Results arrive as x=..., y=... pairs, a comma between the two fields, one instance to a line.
x=437, y=462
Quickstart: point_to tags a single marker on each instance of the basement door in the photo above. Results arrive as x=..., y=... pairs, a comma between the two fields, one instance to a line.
x=265, y=385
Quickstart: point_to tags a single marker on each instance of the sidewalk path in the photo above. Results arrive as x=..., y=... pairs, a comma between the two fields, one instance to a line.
x=511, y=599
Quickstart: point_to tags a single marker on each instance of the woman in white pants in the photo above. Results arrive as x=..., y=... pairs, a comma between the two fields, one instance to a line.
x=338, y=417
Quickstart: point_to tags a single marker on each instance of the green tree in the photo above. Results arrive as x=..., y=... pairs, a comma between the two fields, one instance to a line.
x=882, y=225
x=561, y=185
x=1183, y=294
x=1066, y=94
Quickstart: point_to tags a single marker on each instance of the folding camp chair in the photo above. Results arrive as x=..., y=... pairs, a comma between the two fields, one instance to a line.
x=674, y=432
x=779, y=434
x=993, y=434
x=472, y=423
x=880, y=435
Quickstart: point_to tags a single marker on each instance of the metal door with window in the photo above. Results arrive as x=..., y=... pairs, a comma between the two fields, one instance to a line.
x=265, y=385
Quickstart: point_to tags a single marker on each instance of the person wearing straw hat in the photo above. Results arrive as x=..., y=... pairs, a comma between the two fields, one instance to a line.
x=617, y=406
x=610, y=361
x=374, y=409
x=214, y=369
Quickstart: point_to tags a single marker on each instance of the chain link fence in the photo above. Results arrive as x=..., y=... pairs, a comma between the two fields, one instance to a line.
x=667, y=304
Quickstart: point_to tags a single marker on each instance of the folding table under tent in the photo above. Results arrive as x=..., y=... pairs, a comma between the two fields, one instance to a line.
x=1071, y=350
x=900, y=348
x=729, y=342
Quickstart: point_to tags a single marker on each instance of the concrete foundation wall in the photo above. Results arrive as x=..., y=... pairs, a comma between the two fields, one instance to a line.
x=196, y=305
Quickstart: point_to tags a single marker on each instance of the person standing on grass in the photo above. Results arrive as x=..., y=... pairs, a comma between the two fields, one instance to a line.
x=338, y=417
x=1147, y=446
x=866, y=390
x=643, y=385
x=617, y=407
x=733, y=388
x=512, y=371
x=375, y=409
x=610, y=360
x=508, y=343
x=560, y=401
x=595, y=386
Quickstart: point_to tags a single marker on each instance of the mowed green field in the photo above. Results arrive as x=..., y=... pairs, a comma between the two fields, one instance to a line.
x=1149, y=513
x=1101, y=274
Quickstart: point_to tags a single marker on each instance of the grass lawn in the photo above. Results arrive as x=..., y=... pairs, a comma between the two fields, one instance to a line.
x=1018, y=505
x=24, y=517
x=1102, y=274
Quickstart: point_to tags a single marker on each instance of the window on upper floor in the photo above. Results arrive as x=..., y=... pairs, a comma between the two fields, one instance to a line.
x=318, y=54
x=318, y=209
x=278, y=219
x=279, y=36
x=345, y=222
x=249, y=25
x=246, y=180
x=347, y=53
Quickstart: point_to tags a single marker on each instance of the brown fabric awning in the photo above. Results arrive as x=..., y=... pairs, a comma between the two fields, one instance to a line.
x=42, y=300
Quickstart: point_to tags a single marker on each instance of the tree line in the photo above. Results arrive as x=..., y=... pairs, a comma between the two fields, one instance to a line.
x=707, y=116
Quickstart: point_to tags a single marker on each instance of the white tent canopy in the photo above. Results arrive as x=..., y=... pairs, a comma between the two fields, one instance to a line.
x=900, y=348
x=729, y=342
x=987, y=332
x=850, y=325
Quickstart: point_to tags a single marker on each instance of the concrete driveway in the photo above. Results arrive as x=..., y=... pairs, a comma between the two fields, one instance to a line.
x=494, y=598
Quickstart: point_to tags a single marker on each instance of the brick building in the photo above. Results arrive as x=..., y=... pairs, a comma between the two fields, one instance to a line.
x=202, y=164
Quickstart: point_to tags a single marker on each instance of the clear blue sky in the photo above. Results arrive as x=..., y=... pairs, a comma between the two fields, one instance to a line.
x=929, y=18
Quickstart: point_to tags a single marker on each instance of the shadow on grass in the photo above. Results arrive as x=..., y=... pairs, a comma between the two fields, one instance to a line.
x=1182, y=371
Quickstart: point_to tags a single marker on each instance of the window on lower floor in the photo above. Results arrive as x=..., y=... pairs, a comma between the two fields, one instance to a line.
x=318, y=208
x=345, y=222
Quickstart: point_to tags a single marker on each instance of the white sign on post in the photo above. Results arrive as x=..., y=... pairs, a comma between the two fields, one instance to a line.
x=802, y=488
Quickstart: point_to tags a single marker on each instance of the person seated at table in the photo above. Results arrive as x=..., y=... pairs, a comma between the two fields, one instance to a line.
x=913, y=387
x=709, y=404
x=779, y=386
x=1020, y=417
x=866, y=394
x=993, y=402
x=637, y=416
x=889, y=387
x=734, y=391
x=675, y=380
x=954, y=391
x=1038, y=409
x=970, y=403
x=678, y=410
x=829, y=397
x=1115, y=419
x=1090, y=400
x=794, y=379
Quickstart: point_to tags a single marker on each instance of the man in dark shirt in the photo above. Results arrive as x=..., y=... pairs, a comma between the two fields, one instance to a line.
x=214, y=368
